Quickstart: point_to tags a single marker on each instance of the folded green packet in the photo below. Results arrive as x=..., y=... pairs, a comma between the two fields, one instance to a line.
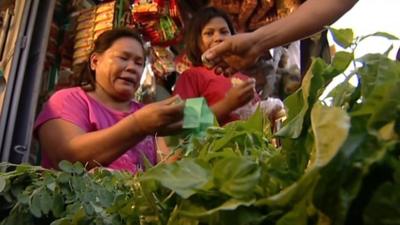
x=197, y=115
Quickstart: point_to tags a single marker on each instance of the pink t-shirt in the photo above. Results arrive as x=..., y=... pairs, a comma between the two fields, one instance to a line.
x=76, y=106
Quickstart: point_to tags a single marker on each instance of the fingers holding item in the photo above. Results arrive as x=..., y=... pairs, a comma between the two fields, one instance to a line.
x=174, y=100
x=214, y=54
x=209, y=63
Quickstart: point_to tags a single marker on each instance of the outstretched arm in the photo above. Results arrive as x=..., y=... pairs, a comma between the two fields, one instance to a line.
x=241, y=51
x=308, y=19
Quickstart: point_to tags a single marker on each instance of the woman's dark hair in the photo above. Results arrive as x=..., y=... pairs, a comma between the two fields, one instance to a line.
x=193, y=31
x=86, y=78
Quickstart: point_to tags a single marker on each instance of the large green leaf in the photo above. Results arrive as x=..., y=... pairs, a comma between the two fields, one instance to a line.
x=186, y=176
x=311, y=88
x=236, y=177
x=377, y=70
x=329, y=196
x=295, y=193
x=380, y=90
x=330, y=126
x=341, y=179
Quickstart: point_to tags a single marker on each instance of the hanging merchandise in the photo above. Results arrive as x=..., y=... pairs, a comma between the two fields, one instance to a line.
x=143, y=11
x=174, y=11
x=163, y=32
x=250, y=14
x=163, y=61
x=160, y=21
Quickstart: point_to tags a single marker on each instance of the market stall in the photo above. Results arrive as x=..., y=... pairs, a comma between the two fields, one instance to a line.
x=337, y=160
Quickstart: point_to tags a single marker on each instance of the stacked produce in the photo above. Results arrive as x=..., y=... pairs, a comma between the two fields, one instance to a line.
x=338, y=164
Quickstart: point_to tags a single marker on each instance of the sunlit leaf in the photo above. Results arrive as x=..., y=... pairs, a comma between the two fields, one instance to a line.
x=330, y=126
x=343, y=37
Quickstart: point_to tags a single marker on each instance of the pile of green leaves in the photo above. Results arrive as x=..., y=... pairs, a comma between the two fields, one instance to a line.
x=339, y=163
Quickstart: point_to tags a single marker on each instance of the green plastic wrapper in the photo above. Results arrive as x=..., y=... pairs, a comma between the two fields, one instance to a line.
x=197, y=116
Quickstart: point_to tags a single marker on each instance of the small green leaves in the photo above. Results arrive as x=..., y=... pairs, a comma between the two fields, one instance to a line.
x=76, y=168
x=34, y=205
x=380, y=34
x=343, y=37
x=66, y=166
x=57, y=207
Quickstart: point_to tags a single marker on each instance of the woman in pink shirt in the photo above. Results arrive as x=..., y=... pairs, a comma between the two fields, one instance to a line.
x=98, y=123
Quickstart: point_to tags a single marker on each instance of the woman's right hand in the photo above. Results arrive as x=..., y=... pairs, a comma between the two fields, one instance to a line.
x=164, y=117
x=240, y=94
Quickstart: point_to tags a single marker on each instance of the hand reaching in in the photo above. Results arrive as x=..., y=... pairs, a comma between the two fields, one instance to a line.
x=237, y=52
x=164, y=117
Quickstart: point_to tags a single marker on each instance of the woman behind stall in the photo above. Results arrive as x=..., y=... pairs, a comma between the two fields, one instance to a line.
x=208, y=27
x=98, y=122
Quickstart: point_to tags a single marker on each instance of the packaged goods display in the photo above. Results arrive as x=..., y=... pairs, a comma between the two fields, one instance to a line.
x=90, y=24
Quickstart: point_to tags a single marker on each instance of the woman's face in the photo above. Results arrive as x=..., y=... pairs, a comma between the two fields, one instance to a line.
x=213, y=33
x=119, y=68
